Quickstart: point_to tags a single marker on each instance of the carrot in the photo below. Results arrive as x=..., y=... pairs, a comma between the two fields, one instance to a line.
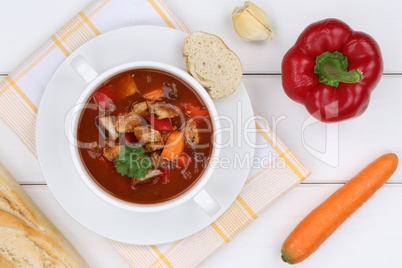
x=317, y=226
x=153, y=94
x=174, y=146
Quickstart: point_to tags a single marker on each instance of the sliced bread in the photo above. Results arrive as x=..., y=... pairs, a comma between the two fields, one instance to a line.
x=212, y=64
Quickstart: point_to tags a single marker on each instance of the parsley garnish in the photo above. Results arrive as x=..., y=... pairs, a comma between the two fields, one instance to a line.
x=132, y=161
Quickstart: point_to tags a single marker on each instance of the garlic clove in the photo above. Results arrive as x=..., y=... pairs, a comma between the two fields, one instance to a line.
x=252, y=23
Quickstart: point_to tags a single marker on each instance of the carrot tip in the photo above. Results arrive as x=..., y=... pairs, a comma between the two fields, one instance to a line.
x=283, y=258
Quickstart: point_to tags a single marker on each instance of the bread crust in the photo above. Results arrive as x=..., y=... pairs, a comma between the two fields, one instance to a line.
x=233, y=67
x=27, y=237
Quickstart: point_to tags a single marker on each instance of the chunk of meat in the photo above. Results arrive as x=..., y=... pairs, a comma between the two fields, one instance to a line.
x=155, y=158
x=109, y=143
x=165, y=136
x=163, y=110
x=151, y=147
x=152, y=177
x=141, y=109
x=158, y=160
x=191, y=133
x=107, y=124
x=112, y=153
x=146, y=134
x=127, y=123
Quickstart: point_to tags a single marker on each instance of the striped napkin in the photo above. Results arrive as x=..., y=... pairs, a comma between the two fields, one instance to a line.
x=20, y=95
x=264, y=185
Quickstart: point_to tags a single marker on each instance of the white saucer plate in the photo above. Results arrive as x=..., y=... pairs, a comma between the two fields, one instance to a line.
x=124, y=45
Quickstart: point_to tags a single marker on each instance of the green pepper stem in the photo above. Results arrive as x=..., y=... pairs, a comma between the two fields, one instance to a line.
x=330, y=69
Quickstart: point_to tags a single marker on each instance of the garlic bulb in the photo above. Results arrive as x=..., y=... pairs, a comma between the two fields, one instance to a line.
x=252, y=23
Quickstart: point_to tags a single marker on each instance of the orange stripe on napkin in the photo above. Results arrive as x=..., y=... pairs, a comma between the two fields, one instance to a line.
x=178, y=22
x=163, y=258
x=92, y=10
x=60, y=45
x=22, y=94
x=89, y=23
x=246, y=207
x=14, y=124
x=220, y=232
x=160, y=12
x=17, y=116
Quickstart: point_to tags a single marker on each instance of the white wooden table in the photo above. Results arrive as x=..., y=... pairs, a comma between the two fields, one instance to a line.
x=370, y=238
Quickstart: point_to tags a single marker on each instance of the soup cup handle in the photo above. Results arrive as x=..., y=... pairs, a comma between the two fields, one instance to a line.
x=207, y=203
x=81, y=66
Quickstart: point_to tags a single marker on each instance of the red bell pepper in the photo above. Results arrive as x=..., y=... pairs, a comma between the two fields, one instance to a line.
x=165, y=178
x=160, y=124
x=183, y=160
x=104, y=97
x=332, y=70
x=128, y=138
x=195, y=111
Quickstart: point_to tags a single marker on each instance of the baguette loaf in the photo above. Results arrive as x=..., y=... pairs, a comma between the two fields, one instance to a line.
x=27, y=237
x=212, y=64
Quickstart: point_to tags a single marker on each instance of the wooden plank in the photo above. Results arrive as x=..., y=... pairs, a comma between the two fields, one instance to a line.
x=356, y=142
x=289, y=18
x=369, y=238
x=23, y=30
x=26, y=25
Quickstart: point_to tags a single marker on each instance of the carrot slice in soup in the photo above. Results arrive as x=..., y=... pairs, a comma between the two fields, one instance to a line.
x=174, y=146
x=153, y=94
